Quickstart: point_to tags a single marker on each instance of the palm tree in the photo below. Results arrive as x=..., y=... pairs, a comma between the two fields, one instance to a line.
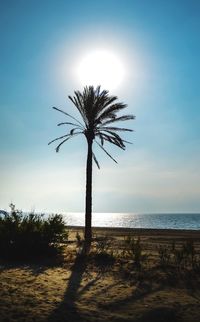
x=99, y=112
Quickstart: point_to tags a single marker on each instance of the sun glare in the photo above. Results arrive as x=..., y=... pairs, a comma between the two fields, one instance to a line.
x=101, y=67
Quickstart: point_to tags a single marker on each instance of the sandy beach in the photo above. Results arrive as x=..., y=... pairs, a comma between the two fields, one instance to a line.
x=106, y=284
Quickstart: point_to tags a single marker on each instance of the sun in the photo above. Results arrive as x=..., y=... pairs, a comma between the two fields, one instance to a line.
x=101, y=67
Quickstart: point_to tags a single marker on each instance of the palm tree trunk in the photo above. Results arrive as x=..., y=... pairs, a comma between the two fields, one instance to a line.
x=88, y=205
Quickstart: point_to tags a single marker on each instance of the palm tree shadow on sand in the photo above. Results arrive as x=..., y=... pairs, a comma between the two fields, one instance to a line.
x=67, y=311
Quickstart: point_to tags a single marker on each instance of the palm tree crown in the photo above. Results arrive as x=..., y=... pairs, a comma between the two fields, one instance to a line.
x=98, y=111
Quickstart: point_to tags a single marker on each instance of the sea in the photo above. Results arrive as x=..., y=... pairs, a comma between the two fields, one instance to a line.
x=187, y=221
x=132, y=220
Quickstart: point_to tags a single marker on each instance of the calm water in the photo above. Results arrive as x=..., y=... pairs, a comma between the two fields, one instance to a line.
x=129, y=220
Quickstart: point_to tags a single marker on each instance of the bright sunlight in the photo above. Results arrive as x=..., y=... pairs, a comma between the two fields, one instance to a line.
x=101, y=67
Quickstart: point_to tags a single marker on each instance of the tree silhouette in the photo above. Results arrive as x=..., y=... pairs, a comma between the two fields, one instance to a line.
x=99, y=112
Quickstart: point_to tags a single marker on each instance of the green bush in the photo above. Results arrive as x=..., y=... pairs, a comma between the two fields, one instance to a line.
x=30, y=235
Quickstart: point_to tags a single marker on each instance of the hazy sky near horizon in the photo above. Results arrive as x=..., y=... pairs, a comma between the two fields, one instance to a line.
x=158, y=42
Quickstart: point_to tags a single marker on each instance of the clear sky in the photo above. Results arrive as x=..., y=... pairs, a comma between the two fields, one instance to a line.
x=158, y=42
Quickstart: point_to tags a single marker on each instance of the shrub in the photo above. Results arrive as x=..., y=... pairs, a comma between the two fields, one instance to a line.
x=134, y=250
x=164, y=254
x=30, y=235
x=189, y=251
x=185, y=256
x=103, y=255
x=181, y=256
x=102, y=245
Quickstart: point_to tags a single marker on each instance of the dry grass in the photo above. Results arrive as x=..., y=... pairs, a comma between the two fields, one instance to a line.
x=82, y=288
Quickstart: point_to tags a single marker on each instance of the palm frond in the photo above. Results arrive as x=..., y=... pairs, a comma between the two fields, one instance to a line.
x=124, y=141
x=59, y=145
x=127, y=142
x=110, y=112
x=101, y=137
x=102, y=101
x=57, y=109
x=72, y=131
x=111, y=128
x=117, y=137
x=77, y=101
x=105, y=151
x=95, y=160
x=113, y=140
x=65, y=136
x=89, y=95
x=119, y=119
x=69, y=123
x=70, y=137
x=59, y=138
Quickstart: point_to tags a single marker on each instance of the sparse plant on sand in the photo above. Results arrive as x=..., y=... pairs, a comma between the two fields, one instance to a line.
x=134, y=250
x=182, y=256
x=103, y=253
x=164, y=255
x=185, y=255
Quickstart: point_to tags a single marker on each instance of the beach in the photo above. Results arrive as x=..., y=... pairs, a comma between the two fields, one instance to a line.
x=109, y=283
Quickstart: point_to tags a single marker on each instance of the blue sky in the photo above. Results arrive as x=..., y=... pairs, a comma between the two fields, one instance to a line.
x=160, y=45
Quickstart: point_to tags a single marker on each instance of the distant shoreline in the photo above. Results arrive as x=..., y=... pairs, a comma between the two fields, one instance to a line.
x=136, y=229
x=151, y=232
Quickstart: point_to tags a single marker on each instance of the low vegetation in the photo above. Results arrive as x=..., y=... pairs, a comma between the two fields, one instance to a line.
x=134, y=250
x=182, y=257
x=30, y=235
